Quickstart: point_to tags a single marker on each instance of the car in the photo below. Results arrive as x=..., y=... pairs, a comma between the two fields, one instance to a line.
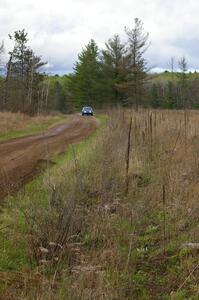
x=87, y=110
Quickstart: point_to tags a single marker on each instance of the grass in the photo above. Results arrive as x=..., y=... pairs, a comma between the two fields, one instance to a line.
x=38, y=192
x=115, y=245
x=14, y=247
x=13, y=125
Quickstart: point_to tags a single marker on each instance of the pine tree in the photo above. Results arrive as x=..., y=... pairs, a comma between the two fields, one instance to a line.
x=171, y=103
x=114, y=69
x=138, y=44
x=86, y=80
x=23, y=77
x=155, y=99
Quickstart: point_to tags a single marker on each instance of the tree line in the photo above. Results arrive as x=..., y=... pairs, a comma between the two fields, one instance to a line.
x=21, y=88
x=175, y=90
x=119, y=74
x=115, y=75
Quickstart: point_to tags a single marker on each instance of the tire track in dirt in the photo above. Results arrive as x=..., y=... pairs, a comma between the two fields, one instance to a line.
x=21, y=158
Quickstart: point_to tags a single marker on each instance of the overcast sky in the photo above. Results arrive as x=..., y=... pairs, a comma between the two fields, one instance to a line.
x=59, y=29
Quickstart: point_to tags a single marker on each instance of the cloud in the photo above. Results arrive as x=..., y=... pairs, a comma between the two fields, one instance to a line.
x=59, y=29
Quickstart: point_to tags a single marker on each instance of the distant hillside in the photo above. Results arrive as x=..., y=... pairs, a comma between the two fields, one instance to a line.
x=169, y=76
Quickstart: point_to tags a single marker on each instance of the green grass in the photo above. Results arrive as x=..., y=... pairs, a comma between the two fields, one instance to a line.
x=13, y=253
x=82, y=146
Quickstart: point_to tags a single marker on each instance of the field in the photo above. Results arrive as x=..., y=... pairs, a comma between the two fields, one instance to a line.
x=14, y=125
x=117, y=216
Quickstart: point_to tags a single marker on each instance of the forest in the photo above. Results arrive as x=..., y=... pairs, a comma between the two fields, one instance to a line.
x=117, y=75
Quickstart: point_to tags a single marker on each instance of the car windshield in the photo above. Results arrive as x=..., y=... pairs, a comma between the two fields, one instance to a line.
x=87, y=108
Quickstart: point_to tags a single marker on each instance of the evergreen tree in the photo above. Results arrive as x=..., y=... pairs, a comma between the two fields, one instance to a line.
x=87, y=75
x=23, y=75
x=171, y=102
x=114, y=68
x=138, y=44
x=155, y=99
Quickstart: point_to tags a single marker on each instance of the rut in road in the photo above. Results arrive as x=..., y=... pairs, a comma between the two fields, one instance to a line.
x=20, y=158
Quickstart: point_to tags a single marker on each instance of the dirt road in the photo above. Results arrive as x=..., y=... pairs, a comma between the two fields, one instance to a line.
x=21, y=159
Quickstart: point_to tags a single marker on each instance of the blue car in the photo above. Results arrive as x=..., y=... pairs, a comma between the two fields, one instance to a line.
x=87, y=110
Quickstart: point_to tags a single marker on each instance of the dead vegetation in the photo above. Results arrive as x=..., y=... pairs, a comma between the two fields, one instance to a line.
x=121, y=219
x=13, y=123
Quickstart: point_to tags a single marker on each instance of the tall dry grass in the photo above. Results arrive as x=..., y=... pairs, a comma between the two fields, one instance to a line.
x=94, y=238
x=12, y=121
x=17, y=121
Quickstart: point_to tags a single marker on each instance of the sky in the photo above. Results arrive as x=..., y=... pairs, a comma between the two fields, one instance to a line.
x=59, y=29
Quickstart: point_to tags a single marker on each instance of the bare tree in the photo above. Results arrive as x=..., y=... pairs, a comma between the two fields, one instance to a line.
x=2, y=50
x=182, y=77
x=171, y=65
